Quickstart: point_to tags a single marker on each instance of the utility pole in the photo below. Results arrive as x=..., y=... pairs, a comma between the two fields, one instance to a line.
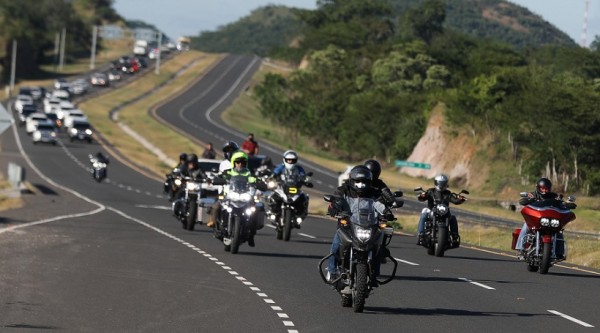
x=584, y=29
x=157, y=70
x=56, y=49
x=13, y=66
x=62, y=49
x=94, y=39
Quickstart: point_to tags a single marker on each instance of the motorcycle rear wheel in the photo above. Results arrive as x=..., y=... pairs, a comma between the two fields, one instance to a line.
x=360, y=290
x=279, y=232
x=346, y=301
x=287, y=224
x=532, y=268
x=546, y=260
x=236, y=235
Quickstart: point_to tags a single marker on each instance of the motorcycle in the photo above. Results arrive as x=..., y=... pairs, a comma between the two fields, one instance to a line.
x=99, y=169
x=188, y=208
x=363, y=237
x=546, y=219
x=292, y=202
x=172, y=183
x=436, y=232
x=241, y=213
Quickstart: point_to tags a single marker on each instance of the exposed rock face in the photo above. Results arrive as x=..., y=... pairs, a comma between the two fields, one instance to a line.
x=448, y=155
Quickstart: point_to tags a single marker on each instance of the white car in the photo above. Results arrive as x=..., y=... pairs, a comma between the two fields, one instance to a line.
x=45, y=132
x=344, y=175
x=64, y=108
x=61, y=94
x=51, y=104
x=79, y=87
x=74, y=115
x=23, y=100
x=31, y=122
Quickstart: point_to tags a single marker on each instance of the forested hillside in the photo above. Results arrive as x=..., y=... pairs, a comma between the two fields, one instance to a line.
x=266, y=30
x=368, y=91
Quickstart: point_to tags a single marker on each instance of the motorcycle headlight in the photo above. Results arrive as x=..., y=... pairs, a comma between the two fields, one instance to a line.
x=245, y=197
x=96, y=165
x=233, y=196
x=442, y=209
x=178, y=182
x=88, y=131
x=191, y=186
x=52, y=134
x=554, y=223
x=250, y=210
x=544, y=222
x=73, y=131
x=271, y=184
x=363, y=234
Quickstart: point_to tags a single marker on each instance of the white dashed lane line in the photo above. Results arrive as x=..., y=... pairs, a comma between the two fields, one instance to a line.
x=575, y=320
x=407, y=262
x=477, y=284
x=277, y=309
x=306, y=235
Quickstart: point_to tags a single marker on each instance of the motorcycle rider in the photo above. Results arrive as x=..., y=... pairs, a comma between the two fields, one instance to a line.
x=288, y=170
x=192, y=168
x=357, y=186
x=182, y=162
x=228, y=149
x=378, y=184
x=543, y=191
x=439, y=191
x=239, y=160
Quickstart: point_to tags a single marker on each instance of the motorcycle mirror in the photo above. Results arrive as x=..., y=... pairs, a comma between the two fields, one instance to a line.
x=464, y=191
x=328, y=198
x=309, y=185
x=398, y=194
x=398, y=203
x=310, y=173
x=571, y=198
x=418, y=189
x=523, y=194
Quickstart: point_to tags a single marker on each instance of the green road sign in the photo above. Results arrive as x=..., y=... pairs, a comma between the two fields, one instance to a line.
x=412, y=164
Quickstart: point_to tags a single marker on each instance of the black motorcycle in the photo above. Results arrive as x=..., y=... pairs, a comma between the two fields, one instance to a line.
x=186, y=208
x=288, y=203
x=436, y=233
x=172, y=183
x=363, y=240
x=241, y=213
x=99, y=169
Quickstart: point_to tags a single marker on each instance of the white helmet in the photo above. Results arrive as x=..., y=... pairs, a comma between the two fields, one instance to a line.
x=290, y=158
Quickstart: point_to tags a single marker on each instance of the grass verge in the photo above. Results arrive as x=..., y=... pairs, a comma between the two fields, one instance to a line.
x=7, y=203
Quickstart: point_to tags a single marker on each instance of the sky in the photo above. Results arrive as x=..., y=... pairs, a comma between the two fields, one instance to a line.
x=189, y=17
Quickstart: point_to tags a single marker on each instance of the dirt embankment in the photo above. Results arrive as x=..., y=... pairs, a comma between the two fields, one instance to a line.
x=449, y=154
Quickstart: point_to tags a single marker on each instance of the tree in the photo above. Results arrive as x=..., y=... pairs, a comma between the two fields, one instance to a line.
x=426, y=21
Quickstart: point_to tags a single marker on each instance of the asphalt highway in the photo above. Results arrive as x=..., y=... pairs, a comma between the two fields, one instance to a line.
x=109, y=257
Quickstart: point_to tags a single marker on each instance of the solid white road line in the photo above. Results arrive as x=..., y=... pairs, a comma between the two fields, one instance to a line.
x=154, y=207
x=477, y=284
x=307, y=236
x=406, y=262
x=575, y=320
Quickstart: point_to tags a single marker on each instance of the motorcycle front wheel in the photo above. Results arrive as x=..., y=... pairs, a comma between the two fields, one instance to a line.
x=546, y=260
x=236, y=235
x=442, y=239
x=190, y=219
x=287, y=224
x=360, y=291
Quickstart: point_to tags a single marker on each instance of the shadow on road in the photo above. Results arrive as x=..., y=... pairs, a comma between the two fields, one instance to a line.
x=41, y=327
x=444, y=279
x=447, y=312
x=480, y=259
x=587, y=276
x=280, y=255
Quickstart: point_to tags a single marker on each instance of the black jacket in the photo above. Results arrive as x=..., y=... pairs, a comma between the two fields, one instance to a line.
x=432, y=195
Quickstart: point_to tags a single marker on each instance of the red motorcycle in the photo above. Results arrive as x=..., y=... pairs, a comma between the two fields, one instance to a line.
x=546, y=220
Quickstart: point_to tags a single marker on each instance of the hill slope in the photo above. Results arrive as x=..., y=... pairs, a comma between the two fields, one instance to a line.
x=272, y=27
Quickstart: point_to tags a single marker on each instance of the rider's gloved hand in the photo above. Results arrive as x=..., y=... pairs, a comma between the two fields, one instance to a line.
x=333, y=209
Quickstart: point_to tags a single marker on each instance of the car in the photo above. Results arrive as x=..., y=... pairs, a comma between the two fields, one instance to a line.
x=51, y=104
x=142, y=62
x=344, y=175
x=114, y=75
x=79, y=87
x=54, y=119
x=23, y=100
x=61, y=84
x=81, y=130
x=45, y=132
x=37, y=92
x=63, y=109
x=99, y=79
x=72, y=116
x=62, y=94
x=25, y=91
x=28, y=109
x=211, y=169
x=31, y=122
x=153, y=53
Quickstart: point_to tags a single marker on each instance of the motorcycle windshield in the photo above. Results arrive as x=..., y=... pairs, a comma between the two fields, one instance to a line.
x=365, y=212
x=239, y=184
x=549, y=203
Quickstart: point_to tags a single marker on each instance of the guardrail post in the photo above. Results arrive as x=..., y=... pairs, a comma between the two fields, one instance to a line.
x=16, y=175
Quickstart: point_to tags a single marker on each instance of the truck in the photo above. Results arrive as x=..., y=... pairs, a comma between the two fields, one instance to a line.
x=140, y=47
x=183, y=43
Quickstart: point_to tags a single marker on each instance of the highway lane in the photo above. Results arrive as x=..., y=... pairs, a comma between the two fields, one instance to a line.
x=118, y=274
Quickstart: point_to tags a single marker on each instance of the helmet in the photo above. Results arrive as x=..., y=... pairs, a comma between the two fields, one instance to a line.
x=290, y=158
x=183, y=157
x=228, y=148
x=239, y=156
x=360, y=178
x=375, y=168
x=543, y=186
x=192, y=158
x=441, y=182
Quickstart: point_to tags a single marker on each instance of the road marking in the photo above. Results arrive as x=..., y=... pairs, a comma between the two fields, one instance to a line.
x=154, y=207
x=477, y=283
x=307, y=236
x=407, y=262
x=575, y=320
x=271, y=226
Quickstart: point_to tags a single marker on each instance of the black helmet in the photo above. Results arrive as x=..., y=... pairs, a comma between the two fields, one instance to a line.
x=543, y=184
x=228, y=148
x=360, y=178
x=375, y=168
x=183, y=157
x=192, y=158
x=441, y=182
